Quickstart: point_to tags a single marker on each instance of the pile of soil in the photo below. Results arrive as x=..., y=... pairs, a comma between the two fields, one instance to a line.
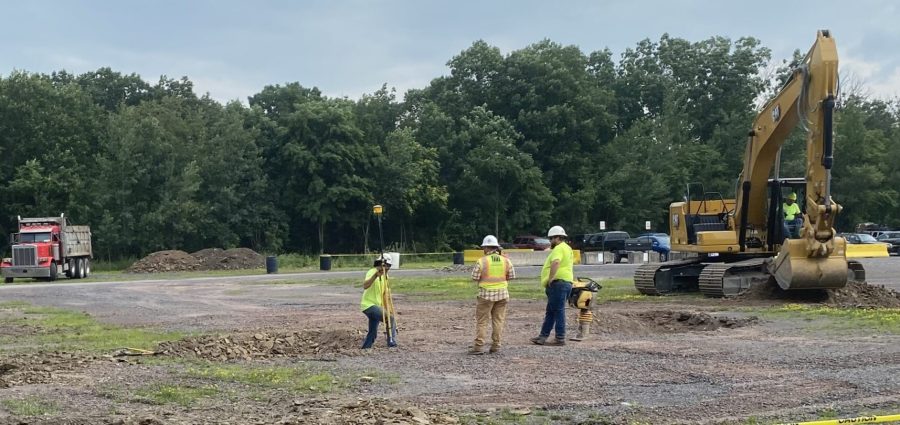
x=232, y=259
x=861, y=294
x=165, y=261
x=203, y=260
x=666, y=321
x=374, y=411
x=40, y=367
x=854, y=294
x=262, y=345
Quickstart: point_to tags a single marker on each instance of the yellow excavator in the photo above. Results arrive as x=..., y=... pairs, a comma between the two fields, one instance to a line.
x=741, y=242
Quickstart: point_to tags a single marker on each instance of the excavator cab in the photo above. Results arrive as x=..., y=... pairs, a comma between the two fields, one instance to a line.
x=779, y=190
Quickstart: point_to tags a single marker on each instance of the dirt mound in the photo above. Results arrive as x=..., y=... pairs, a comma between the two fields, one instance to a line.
x=232, y=259
x=40, y=367
x=771, y=291
x=165, y=261
x=666, y=321
x=375, y=411
x=261, y=345
x=854, y=294
x=203, y=260
x=861, y=294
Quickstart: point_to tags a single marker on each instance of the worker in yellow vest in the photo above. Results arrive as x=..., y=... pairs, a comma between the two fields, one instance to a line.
x=492, y=273
x=557, y=276
x=373, y=302
x=793, y=219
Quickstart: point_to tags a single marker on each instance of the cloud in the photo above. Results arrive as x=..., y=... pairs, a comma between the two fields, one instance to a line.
x=876, y=79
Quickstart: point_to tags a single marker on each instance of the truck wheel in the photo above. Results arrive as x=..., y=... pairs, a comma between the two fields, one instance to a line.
x=70, y=264
x=53, y=271
x=87, y=267
x=663, y=257
x=617, y=259
x=8, y=280
x=81, y=271
x=76, y=268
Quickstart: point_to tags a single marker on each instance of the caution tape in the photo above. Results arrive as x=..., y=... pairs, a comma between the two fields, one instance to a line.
x=859, y=420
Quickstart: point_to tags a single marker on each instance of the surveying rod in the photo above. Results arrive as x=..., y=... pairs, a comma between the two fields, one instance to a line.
x=387, y=300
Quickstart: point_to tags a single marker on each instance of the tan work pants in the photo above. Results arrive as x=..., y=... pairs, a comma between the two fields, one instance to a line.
x=496, y=312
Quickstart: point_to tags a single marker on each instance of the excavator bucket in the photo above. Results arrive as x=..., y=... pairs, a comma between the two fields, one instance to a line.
x=793, y=269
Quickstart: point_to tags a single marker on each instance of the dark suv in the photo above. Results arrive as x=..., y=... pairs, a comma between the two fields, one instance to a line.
x=613, y=242
x=536, y=243
x=892, y=237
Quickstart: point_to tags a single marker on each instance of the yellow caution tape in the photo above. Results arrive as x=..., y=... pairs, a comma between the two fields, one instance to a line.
x=859, y=420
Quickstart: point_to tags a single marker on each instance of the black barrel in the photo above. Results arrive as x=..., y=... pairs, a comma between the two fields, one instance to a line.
x=325, y=262
x=458, y=258
x=271, y=264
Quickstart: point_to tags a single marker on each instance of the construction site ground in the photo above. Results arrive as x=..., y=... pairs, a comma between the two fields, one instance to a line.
x=283, y=349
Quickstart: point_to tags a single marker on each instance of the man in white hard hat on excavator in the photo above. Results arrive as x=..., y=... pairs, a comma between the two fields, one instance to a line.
x=492, y=273
x=557, y=276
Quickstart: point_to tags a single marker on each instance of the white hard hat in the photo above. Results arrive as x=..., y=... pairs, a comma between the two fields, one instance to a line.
x=556, y=231
x=490, y=240
x=387, y=260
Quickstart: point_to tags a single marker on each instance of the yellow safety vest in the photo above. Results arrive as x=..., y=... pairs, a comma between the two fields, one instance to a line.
x=494, y=269
x=790, y=211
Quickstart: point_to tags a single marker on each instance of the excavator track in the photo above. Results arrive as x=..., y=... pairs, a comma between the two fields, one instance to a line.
x=739, y=276
x=645, y=276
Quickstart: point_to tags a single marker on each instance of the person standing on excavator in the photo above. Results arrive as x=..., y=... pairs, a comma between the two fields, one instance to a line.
x=793, y=220
x=492, y=273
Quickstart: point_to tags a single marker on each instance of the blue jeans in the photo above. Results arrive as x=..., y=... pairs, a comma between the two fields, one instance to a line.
x=374, y=314
x=792, y=228
x=557, y=293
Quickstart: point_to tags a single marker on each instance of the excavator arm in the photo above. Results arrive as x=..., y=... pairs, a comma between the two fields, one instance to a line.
x=817, y=259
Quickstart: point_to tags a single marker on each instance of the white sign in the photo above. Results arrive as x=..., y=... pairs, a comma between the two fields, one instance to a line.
x=647, y=225
x=602, y=225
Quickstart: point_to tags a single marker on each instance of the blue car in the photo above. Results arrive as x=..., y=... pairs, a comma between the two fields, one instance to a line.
x=659, y=242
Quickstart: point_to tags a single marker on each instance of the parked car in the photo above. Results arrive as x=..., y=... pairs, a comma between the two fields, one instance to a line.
x=613, y=242
x=536, y=243
x=892, y=237
x=865, y=238
x=656, y=242
x=578, y=241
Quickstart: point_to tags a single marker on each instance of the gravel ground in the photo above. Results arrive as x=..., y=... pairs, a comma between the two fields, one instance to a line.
x=638, y=365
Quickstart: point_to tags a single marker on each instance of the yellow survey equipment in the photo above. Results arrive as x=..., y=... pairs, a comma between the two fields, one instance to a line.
x=745, y=240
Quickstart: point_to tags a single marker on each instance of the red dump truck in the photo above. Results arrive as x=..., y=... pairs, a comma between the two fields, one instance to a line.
x=46, y=247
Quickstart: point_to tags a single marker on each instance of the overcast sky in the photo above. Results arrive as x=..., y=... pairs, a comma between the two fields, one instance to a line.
x=232, y=49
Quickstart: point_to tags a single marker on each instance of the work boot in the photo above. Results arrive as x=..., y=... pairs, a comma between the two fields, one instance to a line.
x=539, y=340
x=494, y=349
x=584, y=329
x=475, y=351
x=558, y=341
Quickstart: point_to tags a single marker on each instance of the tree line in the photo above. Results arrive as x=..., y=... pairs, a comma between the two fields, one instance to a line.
x=504, y=143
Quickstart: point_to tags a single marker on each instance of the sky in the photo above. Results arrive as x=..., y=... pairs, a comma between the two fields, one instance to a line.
x=232, y=49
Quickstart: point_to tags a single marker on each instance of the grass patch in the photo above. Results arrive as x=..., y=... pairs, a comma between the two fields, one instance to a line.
x=30, y=406
x=463, y=288
x=176, y=394
x=76, y=331
x=459, y=288
x=874, y=319
x=295, y=378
